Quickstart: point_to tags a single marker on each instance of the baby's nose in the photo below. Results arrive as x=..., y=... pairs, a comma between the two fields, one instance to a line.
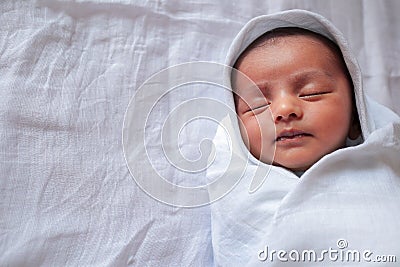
x=286, y=108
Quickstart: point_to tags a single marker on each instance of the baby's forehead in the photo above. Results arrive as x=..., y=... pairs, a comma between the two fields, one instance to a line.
x=289, y=35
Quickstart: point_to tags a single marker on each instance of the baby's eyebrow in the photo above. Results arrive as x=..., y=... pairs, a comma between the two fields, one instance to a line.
x=265, y=87
x=306, y=76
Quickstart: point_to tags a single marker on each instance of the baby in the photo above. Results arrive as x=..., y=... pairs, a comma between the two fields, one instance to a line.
x=308, y=109
x=301, y=108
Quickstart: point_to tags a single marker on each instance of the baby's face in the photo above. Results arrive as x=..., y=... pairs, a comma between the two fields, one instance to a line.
x=305, y=107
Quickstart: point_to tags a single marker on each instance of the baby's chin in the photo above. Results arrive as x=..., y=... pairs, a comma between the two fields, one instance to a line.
x=293, y=163
x=297, y=164
x=294, y=167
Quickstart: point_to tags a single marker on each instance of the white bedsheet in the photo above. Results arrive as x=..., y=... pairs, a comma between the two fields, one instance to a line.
x=67, y=72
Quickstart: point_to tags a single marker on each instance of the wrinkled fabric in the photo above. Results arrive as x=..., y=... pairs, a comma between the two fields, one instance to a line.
x=348, y=200
x=68, y=69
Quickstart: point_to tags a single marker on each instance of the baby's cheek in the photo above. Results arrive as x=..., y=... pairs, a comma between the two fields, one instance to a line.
x=263, y=136
x=253, y=131
x=334, y=129
x=247, y=129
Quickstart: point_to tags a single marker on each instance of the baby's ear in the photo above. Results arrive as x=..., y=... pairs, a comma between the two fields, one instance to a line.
x=355, y=127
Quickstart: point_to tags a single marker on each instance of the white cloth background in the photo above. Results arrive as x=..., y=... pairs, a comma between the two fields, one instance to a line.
x=67, y=72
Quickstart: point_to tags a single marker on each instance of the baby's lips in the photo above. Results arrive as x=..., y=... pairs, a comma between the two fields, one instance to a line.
x=288, y=133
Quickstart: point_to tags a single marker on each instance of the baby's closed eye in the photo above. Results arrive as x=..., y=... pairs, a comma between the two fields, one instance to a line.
x=258, y=108
x=313, y=94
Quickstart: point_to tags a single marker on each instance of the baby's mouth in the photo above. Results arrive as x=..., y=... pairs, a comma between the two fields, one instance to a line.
x=291, y=134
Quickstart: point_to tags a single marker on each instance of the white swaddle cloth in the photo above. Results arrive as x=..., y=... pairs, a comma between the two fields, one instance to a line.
x=343, y=211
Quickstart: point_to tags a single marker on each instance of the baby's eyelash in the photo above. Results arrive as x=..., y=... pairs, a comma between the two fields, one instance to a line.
x=264, y=105
x=314, y=94
x=259, y=107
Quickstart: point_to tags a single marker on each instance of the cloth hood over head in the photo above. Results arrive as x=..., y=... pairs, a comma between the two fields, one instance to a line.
x=343, y=201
